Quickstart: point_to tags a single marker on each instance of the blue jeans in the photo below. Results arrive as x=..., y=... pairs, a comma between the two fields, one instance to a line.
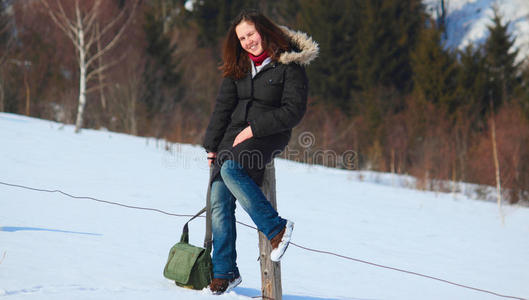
x=234, y=183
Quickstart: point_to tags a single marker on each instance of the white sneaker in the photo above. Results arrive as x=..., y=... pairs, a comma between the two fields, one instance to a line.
x=233, y=284
x=278, y=252
x=218, y=286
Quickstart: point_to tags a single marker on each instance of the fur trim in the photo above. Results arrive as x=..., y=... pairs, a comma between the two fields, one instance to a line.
x=308, y=48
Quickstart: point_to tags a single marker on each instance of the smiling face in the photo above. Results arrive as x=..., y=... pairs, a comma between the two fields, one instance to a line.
x=249, y=38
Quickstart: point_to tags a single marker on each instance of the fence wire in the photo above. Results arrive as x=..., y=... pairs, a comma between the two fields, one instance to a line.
x=253, y=227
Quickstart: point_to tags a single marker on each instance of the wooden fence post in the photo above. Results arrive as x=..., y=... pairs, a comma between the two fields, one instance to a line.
x=270, y=271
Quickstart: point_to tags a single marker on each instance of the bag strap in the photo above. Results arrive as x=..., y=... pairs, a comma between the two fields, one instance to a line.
x=208, y=241
x=185, y=232
x=207, y=238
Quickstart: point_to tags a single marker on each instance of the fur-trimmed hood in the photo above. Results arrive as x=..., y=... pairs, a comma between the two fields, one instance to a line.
x=307, y=48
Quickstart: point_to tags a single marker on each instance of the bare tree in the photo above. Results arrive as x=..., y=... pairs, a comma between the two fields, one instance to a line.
x=441, y=14
x=496, y=161
x=123, y=98
x=82, y=29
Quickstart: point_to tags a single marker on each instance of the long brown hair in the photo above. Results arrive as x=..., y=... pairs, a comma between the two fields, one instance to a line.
x=235, y=61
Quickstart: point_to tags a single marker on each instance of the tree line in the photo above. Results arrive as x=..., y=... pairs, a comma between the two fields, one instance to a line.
x=384, y=86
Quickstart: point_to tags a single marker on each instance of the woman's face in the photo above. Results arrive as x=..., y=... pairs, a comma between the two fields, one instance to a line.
x=249, y=37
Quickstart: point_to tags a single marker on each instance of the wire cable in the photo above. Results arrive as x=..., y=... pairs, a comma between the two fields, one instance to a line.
x=253, y=227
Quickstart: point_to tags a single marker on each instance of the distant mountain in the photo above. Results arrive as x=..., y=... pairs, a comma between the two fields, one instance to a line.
x=467, y=21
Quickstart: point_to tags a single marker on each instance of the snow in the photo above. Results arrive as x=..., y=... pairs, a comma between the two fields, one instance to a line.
x=467, y=21
x=57, y=247
x=189, y=5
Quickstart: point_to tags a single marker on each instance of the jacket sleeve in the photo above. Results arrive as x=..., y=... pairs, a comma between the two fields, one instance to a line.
x=293, y=105
x=221, y=117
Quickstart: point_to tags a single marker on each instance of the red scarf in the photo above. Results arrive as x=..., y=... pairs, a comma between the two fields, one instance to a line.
x=258, y=60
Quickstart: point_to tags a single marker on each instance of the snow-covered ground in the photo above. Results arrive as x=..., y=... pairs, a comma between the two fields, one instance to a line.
x=57, y=247
x=467, y=21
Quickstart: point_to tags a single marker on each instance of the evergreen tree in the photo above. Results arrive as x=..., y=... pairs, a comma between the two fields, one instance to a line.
x=281, y=12
x=213, y=18
x=5, y=28
x=435, y=71
x=500, y=62
x=523, y=91
x=388, y=33
x=6, y=43
x=472, y=80
x=333, y=75
x=161, y=77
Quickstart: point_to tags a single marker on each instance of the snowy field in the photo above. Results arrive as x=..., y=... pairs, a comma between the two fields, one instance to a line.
x=56, y=247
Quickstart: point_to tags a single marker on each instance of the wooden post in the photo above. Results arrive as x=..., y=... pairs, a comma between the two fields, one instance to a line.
x=270, y=271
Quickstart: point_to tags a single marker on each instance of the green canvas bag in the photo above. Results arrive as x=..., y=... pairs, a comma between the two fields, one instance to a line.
x=190, y=266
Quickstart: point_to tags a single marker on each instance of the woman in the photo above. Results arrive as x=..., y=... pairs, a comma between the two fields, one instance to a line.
x=262, y=97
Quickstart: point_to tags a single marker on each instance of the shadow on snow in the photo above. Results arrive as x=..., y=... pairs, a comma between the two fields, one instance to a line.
x=256, y=293
x=14, y=229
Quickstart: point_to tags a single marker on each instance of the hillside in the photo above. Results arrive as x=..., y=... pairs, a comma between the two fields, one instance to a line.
x=467, y=21
x=57, y=247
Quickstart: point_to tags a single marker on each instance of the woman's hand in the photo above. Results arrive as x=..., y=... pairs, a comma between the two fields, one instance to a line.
x=211, y=158
x=245, y=134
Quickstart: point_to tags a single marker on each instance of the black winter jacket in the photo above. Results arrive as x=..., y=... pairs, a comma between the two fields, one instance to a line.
x=272, y=103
